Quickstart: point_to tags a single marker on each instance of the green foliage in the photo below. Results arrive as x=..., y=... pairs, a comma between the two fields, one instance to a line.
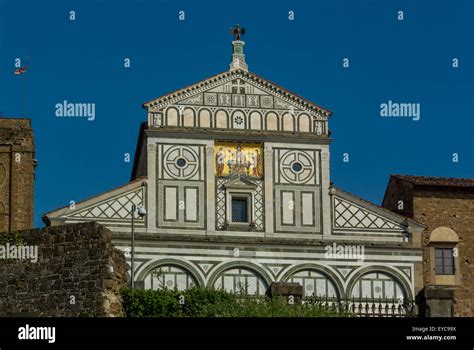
x=151, y=303
x=204, y=302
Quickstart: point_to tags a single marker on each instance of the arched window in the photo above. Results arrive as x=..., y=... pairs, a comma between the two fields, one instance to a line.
x=377, y=285
x=240, y=279
x=314, y=284
x=169, y=277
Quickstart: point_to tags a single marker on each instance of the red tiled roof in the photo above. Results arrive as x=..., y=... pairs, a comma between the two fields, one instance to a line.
x=436, y=181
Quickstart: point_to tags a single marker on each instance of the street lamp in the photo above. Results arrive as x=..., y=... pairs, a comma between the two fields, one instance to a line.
x=141, y=212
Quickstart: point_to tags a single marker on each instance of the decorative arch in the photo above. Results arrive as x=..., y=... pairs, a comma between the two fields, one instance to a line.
x=443, y=235
x=296, y=272
x=288, y=122
x=221, y=119
x=205, y=118
x=384, y=270
x=239, y=119
x=172, y=116
x=258, y=272
x=272, y=121
x=189, y=117
x=256, y=120
x=186, y=271
x=304, y=123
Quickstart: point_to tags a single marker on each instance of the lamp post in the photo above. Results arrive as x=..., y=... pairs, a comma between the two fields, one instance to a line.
x=141, y=212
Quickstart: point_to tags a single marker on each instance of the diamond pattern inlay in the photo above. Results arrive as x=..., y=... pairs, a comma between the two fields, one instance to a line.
x=220, y=203
x=258, y=202
x=114, y=208
x=347, y=214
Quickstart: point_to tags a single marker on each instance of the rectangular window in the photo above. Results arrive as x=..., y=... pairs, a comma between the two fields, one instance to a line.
x=240, y=209
x=444, y=261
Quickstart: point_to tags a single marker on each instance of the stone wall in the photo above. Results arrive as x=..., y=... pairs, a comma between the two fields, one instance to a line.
x=397, y=191
x=17, y=169
x=78, y=273
x=453, y=208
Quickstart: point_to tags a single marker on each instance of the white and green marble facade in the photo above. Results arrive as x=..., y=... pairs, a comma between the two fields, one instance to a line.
x=184, y=234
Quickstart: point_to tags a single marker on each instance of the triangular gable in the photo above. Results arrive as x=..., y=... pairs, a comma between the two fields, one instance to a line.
x=240, y=183
x=111, y=206
x=353, y=213
x=196, y=94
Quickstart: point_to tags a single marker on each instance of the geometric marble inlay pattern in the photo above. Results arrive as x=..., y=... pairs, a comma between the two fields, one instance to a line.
x=115, y=208
x=297, y=167
x=220, y=203
x=181, y=162
x=258, y=202
x=349, y=215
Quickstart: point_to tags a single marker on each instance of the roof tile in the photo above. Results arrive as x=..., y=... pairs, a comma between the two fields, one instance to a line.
x=436, y=181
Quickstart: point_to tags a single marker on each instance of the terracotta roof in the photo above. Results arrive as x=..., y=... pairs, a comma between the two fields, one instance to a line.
x=436, y=181
x=275, y=87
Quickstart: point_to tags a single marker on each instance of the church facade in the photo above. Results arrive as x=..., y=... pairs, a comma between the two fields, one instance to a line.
x=234, y=174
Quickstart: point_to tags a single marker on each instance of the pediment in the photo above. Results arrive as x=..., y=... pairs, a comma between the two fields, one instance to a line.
x=240, y=89
x=240, y=183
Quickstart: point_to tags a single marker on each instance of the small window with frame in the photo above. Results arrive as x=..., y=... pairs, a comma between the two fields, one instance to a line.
x=240, y=210
x=444, y=260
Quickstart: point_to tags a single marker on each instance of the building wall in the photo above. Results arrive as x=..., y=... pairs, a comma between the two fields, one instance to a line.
x=399, y=197
x=310, y=205
x=17, y=168
x=189, y=235
x=205, y=261
x=78, y=272
x=454, y=209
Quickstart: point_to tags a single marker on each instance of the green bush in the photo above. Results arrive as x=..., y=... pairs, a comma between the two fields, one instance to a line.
x=203, y=302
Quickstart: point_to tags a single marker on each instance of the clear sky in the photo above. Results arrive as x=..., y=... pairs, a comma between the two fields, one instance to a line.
x=82, y=61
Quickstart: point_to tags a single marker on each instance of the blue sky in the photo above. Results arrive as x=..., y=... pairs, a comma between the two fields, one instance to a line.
x=407, y=61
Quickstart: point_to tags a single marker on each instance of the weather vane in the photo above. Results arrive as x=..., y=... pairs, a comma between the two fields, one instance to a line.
x=237, y=32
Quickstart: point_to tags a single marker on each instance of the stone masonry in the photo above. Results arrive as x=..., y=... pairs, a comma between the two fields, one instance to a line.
x=78, y=273
x=17, y=173
x=441, y=202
